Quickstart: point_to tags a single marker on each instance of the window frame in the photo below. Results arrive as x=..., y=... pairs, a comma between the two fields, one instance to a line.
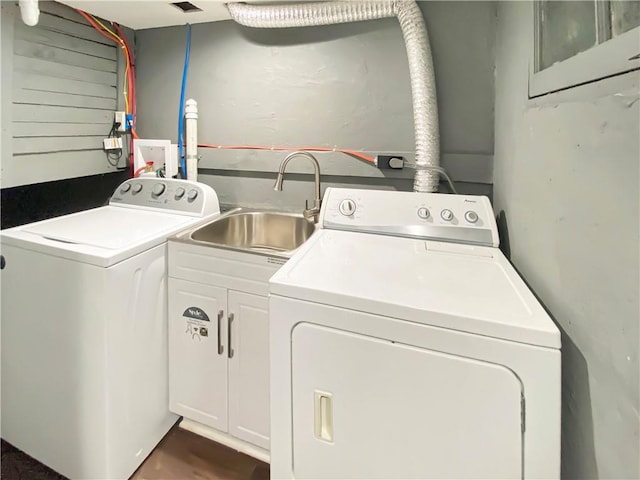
x=615, y=56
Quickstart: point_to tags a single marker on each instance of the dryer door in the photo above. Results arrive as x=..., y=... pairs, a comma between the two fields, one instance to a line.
x=370, y=408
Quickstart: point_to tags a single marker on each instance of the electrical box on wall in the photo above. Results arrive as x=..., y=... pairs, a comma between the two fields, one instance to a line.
x=156, y=152
x=120, y=119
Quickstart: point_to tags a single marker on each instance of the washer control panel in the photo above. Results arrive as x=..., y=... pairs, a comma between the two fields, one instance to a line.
x=431, y=216
x=167, y=194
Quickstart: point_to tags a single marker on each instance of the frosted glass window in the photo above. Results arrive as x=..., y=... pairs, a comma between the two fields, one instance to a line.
x=566, y=29
x=625, y=15
x=578, y=42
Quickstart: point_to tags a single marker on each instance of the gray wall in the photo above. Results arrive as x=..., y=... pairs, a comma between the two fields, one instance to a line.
x=59, y=92
x=344, y=86
x=566, y=184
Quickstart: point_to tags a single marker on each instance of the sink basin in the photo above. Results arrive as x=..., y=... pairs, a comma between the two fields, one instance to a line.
x=256, y=231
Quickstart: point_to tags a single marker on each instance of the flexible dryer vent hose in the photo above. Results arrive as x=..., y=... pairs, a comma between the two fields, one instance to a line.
x=29, y=11
x=423, y=86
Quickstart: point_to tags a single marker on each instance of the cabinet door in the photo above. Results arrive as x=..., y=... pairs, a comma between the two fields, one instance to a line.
x=197, y=352
x=370, y=408
x=249, y=368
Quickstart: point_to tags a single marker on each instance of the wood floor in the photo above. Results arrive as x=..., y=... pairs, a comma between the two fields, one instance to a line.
x=181, y=455
x=185, y=455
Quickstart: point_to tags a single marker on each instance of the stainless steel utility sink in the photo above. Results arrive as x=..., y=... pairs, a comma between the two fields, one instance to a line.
x=265, y=232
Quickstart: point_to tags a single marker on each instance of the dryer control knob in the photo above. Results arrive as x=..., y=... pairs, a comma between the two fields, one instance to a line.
x=137, y=188
x=125, y=188
x=347, y=207
x=179, y=193
x=192, y=194
x=471, y=216
x=447, y=215
x=158, y=189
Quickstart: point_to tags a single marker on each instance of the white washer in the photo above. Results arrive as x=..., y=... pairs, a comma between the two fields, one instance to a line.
x=405, y=345
x=84, y=328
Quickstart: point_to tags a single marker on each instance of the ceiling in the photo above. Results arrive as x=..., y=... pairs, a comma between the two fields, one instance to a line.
x=141, y=14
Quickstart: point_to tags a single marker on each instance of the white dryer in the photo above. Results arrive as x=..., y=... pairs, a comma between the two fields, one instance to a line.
x=405, y=345
x=84, y=328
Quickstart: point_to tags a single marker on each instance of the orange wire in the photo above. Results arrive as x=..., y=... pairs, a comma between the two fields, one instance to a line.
x=131, y=68
x=89, y=19
x=352, y=153
x=116, y=37
x=130, y=97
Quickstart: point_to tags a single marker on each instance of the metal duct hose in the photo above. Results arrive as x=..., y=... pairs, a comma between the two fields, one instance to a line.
x=423, y=86
x=29, y=11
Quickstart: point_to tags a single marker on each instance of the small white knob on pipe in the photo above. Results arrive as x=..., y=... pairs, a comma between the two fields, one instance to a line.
x=191, y=109
x=29, y=11
x=191, y=126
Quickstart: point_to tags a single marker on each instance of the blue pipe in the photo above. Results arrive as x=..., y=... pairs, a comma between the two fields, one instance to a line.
x=183, y=163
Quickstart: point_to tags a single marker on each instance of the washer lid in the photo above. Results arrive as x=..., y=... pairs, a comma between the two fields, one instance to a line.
x=461, y=287
x=103, y=236
x=111, y=228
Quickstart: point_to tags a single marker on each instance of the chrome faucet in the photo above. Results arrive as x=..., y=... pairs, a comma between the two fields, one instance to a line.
x=309, y=213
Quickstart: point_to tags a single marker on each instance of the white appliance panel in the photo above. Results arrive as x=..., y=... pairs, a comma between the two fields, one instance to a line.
x=466, y=219
x=396, y=411
x=467, y=288
x=108, y=227
x=73, y=376
x=537, y=367
x=46, y=383
x=137, y=356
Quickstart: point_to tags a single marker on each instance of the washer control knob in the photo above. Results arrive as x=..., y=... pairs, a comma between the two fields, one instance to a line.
x=471, y=216
x=158, y=189
x=125, y=188
x=347, y=207
x=447, y=215
x=179, y=193
x=193, y=193
x=137, y=188
x=423, y=213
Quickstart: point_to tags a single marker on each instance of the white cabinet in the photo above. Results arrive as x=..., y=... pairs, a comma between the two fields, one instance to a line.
x=249, y=368
x=198, y=367
x=219, y=343
x=219, y=359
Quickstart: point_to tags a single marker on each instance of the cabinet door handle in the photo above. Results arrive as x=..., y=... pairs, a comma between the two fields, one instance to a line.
x=229, y=348
x=220, y=347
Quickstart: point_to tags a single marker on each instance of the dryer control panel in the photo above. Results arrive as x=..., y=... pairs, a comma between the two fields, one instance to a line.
x=167, y=194
x=465, y=219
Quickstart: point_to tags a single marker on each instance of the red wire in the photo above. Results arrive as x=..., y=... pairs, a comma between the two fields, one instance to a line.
x=144, y=167
x=352, y=153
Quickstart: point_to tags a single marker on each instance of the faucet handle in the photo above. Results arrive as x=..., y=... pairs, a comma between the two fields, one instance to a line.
x=308, y=213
